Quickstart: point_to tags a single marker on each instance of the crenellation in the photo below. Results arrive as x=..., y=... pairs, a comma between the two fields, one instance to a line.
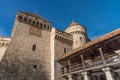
x=64, y=34
x=78, y=33
x=64, y=40
x=39, y=23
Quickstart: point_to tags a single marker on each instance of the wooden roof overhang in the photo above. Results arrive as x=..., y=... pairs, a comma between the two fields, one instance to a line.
x=109, y=42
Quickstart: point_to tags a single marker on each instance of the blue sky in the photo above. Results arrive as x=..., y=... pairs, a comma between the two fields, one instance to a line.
x=99, y=16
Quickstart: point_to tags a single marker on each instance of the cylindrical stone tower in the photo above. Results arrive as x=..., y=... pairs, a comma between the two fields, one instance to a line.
x=79, y=34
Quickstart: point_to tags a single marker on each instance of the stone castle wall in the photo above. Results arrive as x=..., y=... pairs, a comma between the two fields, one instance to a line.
x=28, y=55
x=59, y=52
x=63, y=44
x=4, y=42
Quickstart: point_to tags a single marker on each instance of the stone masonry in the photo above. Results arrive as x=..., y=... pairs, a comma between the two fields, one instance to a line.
x=35, y=48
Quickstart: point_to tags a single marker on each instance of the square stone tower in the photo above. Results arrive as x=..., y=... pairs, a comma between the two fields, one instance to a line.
x=28, y=56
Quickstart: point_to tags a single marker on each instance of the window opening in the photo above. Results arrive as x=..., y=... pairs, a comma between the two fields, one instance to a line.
x=34, y=47
x=65, y=50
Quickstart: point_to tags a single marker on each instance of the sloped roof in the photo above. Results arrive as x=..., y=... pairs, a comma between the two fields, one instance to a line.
x=100, y=39
x=75, y=23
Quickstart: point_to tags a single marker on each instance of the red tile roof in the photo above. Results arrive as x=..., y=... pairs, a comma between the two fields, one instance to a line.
x=100, y=39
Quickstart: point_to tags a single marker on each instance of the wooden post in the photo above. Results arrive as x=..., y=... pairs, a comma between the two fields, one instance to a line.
x=102, y=56
x=69, y=64
x=82, y=61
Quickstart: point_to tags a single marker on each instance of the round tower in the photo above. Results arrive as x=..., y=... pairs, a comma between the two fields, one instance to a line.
x=79, y=34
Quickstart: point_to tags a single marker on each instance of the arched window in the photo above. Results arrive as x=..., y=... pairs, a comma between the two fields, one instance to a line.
x=29, y=22
x=25, y=20
x=40, y=26
x=44, y=26
x=81, y=32
x=78, y=32
x=37, y=24
x=48, y=27
x=33, y=24
x=20, y=18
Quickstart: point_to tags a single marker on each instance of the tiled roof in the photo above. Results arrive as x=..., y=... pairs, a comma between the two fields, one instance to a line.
x=98, y=40
x=75, y=23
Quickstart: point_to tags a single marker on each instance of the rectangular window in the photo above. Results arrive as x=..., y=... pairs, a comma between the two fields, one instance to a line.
x=65, y=50
x=33, y=47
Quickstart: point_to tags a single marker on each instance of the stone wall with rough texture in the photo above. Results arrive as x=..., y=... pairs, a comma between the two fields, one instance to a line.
x=59, y=52
x=79, y=34
x=20, y=61
x=4, y=43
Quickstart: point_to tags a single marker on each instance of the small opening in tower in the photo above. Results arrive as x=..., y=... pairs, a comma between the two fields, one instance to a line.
x=81, y=39
x=62, y=69
x=65, y=50
x=33, y=47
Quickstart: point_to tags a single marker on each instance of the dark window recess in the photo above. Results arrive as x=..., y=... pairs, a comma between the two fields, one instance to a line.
x=65, y=50
x=34, y=47
x=35, y=66
x=67, y=69
x=81, y=39
x=62, y=70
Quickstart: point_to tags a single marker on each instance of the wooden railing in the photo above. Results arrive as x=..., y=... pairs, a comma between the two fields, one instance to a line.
x=94, y=64
x=113, y=60
x=76, y=67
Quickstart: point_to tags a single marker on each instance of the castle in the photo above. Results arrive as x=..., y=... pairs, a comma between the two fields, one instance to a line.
x=38, y=51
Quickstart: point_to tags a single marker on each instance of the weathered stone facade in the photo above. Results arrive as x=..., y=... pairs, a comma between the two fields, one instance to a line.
x=35, y=48
x=28, y=55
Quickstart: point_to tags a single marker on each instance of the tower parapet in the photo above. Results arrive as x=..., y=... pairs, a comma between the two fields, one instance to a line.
x=36, y=23
x=4, y=41
x=34, y=20
x=64, y=37
x=79, y=34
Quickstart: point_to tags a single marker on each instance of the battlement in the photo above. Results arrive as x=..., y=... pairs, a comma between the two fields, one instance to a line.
x=64, y=37
x=4, y=41
x=34, y=20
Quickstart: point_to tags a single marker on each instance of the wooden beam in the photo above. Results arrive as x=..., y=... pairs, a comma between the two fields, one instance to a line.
x=83, y=64
x=102, y=56
x=69, y=64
